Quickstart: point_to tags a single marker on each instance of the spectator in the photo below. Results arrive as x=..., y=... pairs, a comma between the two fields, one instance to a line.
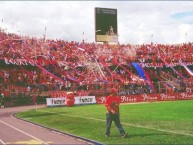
x=112, y=109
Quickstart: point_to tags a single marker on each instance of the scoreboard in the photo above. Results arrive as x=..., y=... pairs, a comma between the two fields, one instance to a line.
x=106, y=25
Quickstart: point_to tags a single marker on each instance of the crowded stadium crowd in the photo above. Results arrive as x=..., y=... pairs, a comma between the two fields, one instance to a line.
x=39, y=64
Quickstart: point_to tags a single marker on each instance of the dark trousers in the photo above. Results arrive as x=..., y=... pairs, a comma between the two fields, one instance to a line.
x=113, y=117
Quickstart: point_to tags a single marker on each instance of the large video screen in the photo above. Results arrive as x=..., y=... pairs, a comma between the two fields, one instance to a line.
x=106, y=25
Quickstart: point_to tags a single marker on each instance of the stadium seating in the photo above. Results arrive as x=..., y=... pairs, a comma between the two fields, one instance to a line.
x=35, y=66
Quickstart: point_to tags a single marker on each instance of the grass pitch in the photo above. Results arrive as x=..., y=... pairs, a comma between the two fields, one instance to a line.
x=169, y=122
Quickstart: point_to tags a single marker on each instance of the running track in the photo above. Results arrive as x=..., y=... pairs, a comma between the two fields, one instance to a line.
x=16, y=131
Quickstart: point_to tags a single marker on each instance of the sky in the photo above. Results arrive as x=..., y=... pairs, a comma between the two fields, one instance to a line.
x=139, y=22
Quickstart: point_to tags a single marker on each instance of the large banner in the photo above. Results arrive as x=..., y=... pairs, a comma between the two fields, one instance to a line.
x=150, y=97
x=64, y=63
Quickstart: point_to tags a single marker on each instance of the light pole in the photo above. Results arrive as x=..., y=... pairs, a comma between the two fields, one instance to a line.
x=44, y=34
x=186, y=41
x=151, y=38
x=18, y=32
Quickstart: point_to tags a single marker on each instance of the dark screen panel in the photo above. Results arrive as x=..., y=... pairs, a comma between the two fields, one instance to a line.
x=105, y=24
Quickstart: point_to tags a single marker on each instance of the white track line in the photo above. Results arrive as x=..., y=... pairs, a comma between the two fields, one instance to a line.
x=24, y=132
x=133, y=125
x=162, y=130
x=2, y=142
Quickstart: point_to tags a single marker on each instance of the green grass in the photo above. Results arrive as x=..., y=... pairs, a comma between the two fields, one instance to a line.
x=168, y=122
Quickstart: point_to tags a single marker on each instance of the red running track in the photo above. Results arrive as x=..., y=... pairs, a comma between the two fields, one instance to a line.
x=16, y=131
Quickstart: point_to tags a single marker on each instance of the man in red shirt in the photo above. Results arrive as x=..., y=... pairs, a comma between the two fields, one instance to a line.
x=112, y=108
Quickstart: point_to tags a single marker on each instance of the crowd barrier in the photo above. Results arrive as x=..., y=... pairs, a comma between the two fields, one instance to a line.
x=78, y=100
x=84, y=100
x=150, y=97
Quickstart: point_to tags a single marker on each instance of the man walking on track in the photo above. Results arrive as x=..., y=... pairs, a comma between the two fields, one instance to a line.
x=112, y=108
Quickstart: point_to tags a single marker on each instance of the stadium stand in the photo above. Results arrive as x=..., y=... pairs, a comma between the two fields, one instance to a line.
x=35, y=68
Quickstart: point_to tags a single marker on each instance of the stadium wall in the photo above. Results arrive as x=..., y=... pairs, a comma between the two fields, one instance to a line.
x=150, y=97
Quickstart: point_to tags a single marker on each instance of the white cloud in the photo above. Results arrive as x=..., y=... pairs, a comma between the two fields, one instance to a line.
x=137, y=20
x=185, y=33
